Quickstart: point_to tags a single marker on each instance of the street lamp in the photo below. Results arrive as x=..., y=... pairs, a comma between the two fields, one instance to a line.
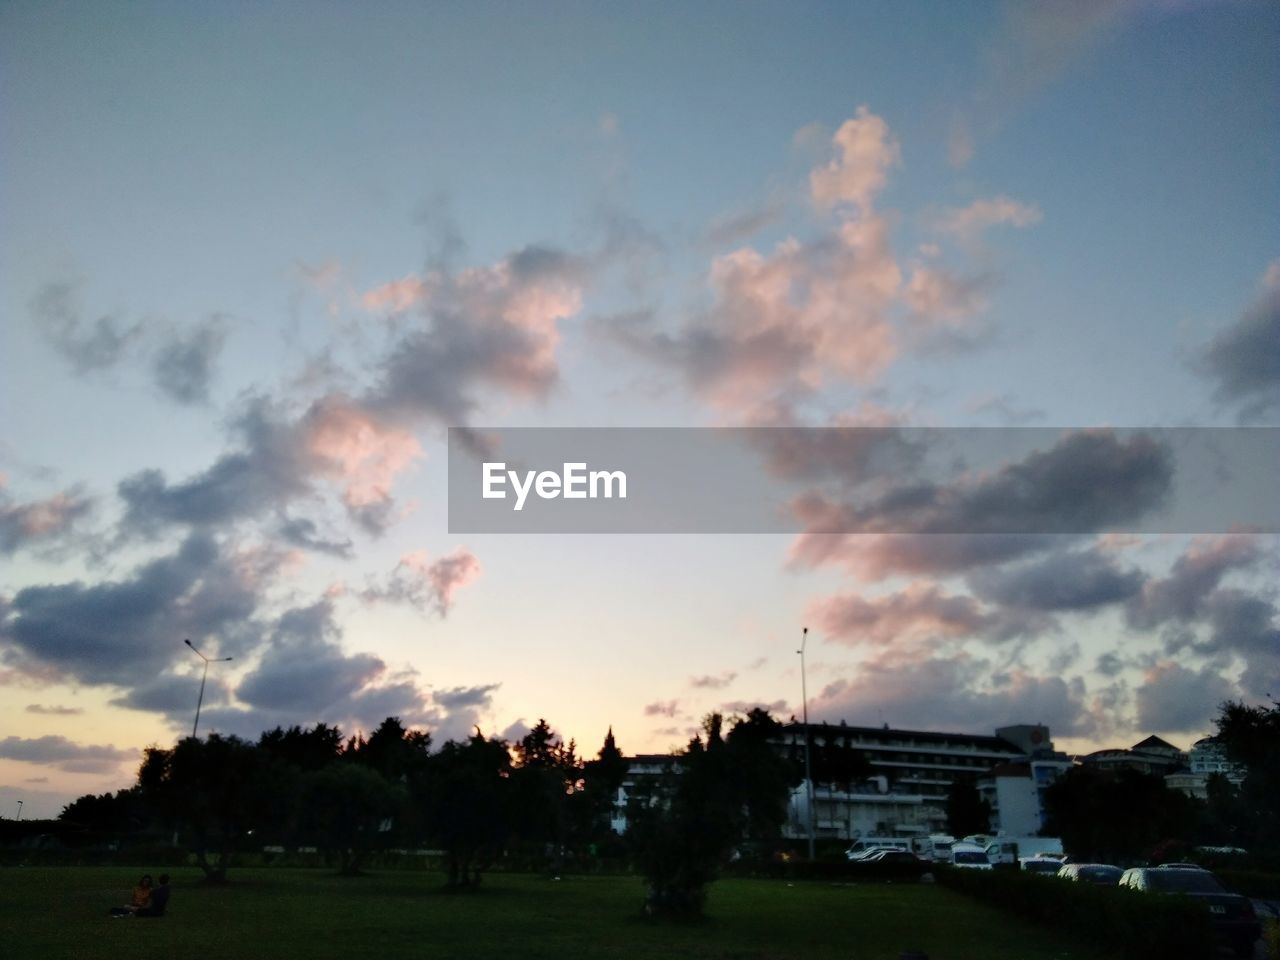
x=196, y=726
x=19, y=810
x=808, y=769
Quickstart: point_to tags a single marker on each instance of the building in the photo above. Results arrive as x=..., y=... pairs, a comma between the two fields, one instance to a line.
x=1206, y=758
x=912, y=772
x=1152, y=755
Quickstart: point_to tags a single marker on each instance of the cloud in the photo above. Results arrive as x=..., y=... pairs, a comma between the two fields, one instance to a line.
x=54, y=710
x=865, y=151
x=63, y=754
x=1180, y=597
x=662, y=708
x=919, y=613
x=89, y=348
x=969, y=223
x=424, y=584
x=183, y=365
x=806, y=313
x=1178, y=699
x=125, y=631
x=1243, y=361
x=742, y=226
x=1086, y=481
x=494, y=326
x=713, y=682
x=305, y=533
x=957, y=693
x=877, y=556
x=40, y=522
x=280, y=460
x=1066, y=581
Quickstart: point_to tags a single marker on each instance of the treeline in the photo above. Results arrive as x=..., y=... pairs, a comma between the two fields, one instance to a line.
x=310, y=787
x=474, y=799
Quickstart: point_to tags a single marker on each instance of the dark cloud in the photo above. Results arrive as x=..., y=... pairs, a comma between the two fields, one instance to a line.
x=267, y=472
x=1066, y=581
x=876, y=556
x=183, y=365
x=1243, y=361
x=122, y=632
x=54, y=710
x=709, y=682
x=1247, y=625
x=463, y=698
x=305, y=533
x=40, y=522
x=88, y=347
x=65, y=755
x=1179, y=699
x=662, y=708
x=1087, y=481
x=957, y=693
x=1195, y=575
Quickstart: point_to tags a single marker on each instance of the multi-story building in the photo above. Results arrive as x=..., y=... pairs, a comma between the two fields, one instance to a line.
x=912, y=772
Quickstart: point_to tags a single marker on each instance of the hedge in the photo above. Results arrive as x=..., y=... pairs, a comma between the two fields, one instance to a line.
x=1140, y=926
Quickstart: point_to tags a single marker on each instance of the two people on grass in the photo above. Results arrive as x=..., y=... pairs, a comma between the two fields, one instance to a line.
x=147, y=899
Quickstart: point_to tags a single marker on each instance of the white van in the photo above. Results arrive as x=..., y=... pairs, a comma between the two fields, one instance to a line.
x=1011, y=850
x=969, y=856
x=936, y=847
x=865, y=845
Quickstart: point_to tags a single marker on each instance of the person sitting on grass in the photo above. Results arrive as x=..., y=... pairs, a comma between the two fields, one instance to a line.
x=140, y=899
x=159, y=900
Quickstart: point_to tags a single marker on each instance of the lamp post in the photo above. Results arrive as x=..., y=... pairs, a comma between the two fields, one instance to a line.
x=808, y=769
x=19, y=810
x=205, y=676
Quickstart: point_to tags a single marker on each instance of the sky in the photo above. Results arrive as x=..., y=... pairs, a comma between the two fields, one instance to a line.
x=257, y=258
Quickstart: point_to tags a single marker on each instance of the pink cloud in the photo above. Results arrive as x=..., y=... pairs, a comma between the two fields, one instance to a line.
x=865, y=150
x=363, y=454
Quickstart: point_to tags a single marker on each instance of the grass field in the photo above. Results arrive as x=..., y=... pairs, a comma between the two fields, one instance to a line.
x=281, y=913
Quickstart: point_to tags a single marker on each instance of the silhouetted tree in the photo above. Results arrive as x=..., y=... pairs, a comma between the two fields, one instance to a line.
x=723, y=789
x=1249, y=735
x=1116, y=816
x=467, y=798
x=348, y=808
x=967, y=812
x=213, y=790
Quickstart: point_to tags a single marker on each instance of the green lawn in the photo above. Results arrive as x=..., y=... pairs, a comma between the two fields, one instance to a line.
x=312, y=914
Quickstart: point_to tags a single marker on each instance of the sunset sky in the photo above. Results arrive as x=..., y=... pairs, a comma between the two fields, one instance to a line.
x=255, y=259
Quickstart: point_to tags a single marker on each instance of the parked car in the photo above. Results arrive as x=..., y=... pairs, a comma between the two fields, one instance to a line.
x=1180, y=866
x=1102, y=874
x=1010, y=850
x=1042, y=866
x=969, y=856
x=868, y=845
x=1232, y=915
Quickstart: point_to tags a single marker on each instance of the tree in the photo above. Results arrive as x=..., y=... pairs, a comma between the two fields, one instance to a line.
x=967, y=812
x=721, y=792
x=348, y=810
x=1116, y=816
x=546, y=771
x=1249, y=735
x=213, y=790
x=467, y=798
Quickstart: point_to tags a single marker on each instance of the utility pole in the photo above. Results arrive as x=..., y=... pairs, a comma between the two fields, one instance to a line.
x=808, y=767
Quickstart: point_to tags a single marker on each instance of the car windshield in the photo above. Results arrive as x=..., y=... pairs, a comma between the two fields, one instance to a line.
x=965, y=856
x=1183, y=881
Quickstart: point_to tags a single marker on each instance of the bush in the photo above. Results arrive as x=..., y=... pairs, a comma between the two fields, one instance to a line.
x=1141, y=926
x=1271, y=937
x=1259, y=884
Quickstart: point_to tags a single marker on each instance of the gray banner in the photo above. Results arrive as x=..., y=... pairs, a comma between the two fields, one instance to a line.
x=912, y=480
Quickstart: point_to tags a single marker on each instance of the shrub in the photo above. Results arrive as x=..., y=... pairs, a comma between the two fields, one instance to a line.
x=1141, y=926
